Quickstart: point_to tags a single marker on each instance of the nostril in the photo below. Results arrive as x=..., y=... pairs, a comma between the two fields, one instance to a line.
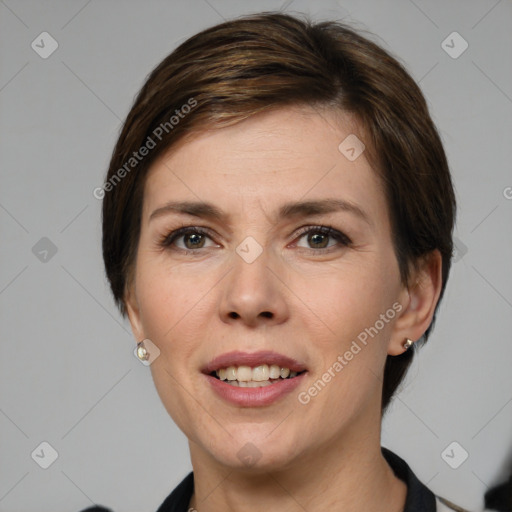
x=234, y=315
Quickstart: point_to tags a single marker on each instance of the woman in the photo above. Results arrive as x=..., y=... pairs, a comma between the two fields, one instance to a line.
x=277, y=226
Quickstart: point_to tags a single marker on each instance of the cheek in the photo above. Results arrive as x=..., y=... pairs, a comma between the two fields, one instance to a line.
x=350, y=342
x=167, y=298
x=169, y=305
x=343, y=300
x=158, y=307
x=350, y=328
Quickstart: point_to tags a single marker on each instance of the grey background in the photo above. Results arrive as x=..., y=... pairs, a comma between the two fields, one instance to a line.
x=68, y=374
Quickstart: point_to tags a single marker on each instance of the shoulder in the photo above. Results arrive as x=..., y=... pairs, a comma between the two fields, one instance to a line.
x=419, y=497
x=179, y=498
x=96, y=508
x=177, y=501
x=443, y=505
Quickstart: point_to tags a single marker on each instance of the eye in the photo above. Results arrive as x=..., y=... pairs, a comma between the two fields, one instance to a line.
x=191, y=237
x=318, y=237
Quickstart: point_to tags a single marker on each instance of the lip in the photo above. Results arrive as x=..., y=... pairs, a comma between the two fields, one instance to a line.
x=238, y=358
x=254, y=397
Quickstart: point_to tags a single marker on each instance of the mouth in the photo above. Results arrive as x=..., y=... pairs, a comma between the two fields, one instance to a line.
x=273, y=375
x=254, y=377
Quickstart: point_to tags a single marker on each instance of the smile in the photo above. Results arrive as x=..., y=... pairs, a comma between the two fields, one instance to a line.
x=259, y=376
x=253, y=379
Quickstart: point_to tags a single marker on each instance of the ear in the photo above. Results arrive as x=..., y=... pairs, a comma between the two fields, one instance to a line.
x=133, y=312
x=419, y=301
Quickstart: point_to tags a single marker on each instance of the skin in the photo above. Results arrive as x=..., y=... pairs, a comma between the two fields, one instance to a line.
x=297, y=298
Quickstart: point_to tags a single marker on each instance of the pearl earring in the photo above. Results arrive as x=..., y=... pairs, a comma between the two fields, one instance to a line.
x=142, y=353
x=407, y=343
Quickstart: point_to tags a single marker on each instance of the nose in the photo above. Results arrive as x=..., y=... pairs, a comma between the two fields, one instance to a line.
x=254, y=293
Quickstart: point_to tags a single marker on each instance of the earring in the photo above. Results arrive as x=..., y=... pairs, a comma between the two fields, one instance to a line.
x=142, y=353
x=407, y=343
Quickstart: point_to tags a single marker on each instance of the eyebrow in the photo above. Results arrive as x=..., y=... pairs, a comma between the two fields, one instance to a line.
x=287, y=211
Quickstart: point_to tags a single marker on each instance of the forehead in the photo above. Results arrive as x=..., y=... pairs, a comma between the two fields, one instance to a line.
x=273, y=157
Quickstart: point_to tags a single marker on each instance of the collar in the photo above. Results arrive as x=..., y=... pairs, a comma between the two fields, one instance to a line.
x=419, y=498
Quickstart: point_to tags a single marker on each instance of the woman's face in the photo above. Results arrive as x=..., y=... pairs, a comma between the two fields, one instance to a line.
x=265, y=284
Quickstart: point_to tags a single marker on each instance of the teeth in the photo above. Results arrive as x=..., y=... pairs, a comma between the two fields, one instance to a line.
x=260, y=373
x=252, y=384
x=274, y=371
x=245, y=376
x=230, y=373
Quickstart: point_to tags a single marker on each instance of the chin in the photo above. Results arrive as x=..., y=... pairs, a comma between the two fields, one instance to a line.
x=253, y=450
x=251, y=459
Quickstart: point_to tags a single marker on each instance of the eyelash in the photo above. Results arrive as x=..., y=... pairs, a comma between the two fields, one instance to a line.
x=167, y=240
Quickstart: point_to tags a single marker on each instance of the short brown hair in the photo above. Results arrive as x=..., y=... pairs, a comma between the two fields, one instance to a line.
x=234, y=70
